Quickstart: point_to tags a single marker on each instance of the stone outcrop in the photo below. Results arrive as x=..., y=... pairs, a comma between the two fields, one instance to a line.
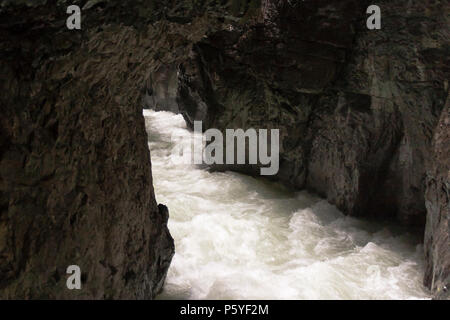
x=437, y=196
x=356, y=108
x=75, y=172
x=360, y=112
x=161, y=90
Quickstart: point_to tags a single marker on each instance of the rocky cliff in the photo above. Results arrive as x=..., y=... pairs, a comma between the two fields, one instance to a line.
x=75, y=172
x=357, y=109
x=361, y=117
x=437, y=232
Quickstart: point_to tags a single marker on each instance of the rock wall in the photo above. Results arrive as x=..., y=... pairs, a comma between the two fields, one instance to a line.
x=437, y=232
x=161, y=90
x=357, y=109
x=75, y=172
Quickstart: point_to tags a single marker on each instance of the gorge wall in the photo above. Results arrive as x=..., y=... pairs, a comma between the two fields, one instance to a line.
x=361, y=117
x=437, y=232
x=357, y=109
x=75, y=172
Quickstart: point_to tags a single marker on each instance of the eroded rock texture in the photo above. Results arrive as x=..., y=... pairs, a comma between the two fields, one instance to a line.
x=437, y=233
x=161, y=90
x=75, y=171
x=356, y=108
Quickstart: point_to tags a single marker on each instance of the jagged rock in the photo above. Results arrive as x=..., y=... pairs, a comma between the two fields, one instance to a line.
x=357, y=110
x=75, y=171
x=437, y=197
x=75, y=177
x=161, y=91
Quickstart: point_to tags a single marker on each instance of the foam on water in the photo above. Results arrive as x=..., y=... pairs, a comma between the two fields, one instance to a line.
x=239, y=237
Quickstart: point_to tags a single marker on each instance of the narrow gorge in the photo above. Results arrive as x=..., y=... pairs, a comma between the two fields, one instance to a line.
x=364, y=119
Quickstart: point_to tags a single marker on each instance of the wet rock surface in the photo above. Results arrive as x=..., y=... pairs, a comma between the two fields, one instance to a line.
x=161, y=90
x=356, y=108
x=437, y=232
x=358, y=113
x=75, y=172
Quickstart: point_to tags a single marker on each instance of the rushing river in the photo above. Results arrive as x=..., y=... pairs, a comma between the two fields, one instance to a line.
x=238, y=237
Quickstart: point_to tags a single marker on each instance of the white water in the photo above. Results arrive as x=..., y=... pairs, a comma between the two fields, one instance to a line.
x=238, y=237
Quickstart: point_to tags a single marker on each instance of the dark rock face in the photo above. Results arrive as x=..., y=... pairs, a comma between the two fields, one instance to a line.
x=75, y=171
x=75, y=177
x=358, y=113
x=437, y=233
x=161, y=92
x=356, y=108
x=345, y=98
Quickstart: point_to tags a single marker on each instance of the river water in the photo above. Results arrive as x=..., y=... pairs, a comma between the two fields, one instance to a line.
x=239, y=237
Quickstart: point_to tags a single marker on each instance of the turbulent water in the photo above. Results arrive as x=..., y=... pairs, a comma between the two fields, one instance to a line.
x=238, y=237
